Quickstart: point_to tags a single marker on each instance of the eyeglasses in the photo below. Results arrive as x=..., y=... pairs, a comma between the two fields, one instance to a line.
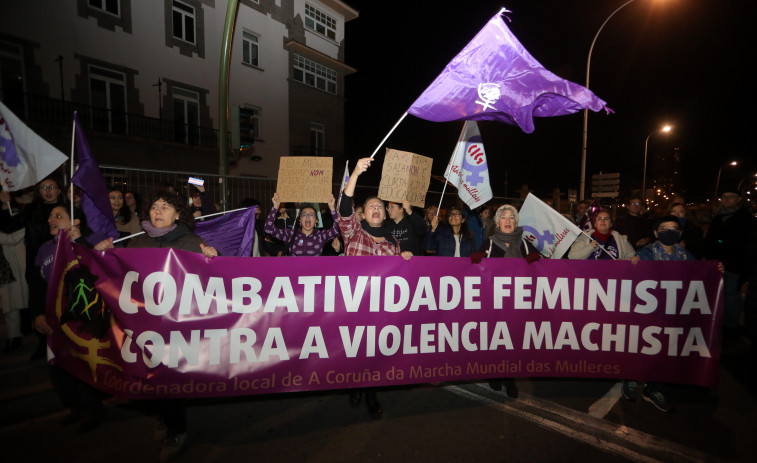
x=635, y=203
x=662, y=229
x=603, y=219
x=455, y=214
x=307, y=214
x=48, y=187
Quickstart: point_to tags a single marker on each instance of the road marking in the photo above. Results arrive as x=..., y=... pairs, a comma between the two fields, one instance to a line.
x=602, y=407
x=617, y=439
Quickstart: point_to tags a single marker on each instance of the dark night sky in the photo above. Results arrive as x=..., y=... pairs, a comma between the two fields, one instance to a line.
x=681, y=62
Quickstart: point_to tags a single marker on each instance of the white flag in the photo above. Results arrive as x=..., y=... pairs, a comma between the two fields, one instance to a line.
x=25, y=158
x=345, y=179
x=468, y=170
x=546, y=229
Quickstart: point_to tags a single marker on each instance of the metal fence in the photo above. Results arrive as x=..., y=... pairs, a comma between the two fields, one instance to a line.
x=240, y=191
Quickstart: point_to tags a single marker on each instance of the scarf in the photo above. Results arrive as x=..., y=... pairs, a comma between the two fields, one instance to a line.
x=377, y=231
x=154, y=232
x=508, y=242
x=608, y=242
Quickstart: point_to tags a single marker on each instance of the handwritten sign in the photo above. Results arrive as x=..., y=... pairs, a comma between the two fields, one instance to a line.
x=304, y=178
x=405, y=176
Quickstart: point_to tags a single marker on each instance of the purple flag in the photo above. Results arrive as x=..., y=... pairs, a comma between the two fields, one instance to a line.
x=495, y=79
x=231, y=234
x=94, y=197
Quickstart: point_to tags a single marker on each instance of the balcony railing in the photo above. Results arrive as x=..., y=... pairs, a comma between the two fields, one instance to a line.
x=54, y=111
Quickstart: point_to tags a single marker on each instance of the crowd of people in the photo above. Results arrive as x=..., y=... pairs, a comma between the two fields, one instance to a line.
x=29, y=225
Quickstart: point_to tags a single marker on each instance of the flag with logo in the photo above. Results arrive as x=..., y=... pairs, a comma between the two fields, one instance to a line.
x=345, y=179
x=494, y=78
x=94, y=194
x=25, y=157
x=468, y=170
x=546, y=229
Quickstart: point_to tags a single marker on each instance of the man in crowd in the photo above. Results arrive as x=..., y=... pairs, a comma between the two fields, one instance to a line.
x=635, y=225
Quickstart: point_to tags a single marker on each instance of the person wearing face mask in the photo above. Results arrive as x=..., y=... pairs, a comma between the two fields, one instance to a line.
x=304, y=240
x=692, y=237
x=667, y=233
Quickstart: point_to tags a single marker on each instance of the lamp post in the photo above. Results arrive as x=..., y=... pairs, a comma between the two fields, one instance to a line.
x=666, y=128
x=586, y=111
x=717, y=184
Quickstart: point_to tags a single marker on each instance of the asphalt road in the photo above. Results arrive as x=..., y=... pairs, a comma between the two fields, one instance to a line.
x=552, y=420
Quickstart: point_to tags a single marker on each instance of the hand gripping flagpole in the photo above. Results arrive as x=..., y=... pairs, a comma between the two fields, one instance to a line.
x=387, y=135
x=600, y=246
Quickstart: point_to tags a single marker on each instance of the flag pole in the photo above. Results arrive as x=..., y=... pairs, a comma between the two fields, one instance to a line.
x=600, y=246
x=387, y=135
x=71, y=184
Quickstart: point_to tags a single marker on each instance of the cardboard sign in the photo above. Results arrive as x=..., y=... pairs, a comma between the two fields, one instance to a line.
x=405, y=176
x=304, y=179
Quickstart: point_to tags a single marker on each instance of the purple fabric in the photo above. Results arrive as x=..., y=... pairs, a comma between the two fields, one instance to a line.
x=188, y=326
x=94, y=194
x=231, y=234
x=495, y=79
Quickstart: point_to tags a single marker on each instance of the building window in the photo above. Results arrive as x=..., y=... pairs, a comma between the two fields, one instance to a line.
x=316, y=75
x=108, y=6
x=317, y=135
x=186, y=116
x=183, y=22
x=250, y=49
x=107, y=93
x=320, y=22
x=249, y=126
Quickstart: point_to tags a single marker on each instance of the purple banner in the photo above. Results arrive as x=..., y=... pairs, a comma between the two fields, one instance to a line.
x=158, y=322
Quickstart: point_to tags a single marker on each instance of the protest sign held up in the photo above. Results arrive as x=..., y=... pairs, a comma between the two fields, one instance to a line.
x=405, y=176
x=305, y=178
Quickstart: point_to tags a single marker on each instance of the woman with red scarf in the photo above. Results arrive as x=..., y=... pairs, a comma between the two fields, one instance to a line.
x=605, y=243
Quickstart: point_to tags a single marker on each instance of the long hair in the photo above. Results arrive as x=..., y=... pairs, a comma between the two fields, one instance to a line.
x=464, y=230
x=178, y=203
x=124, y=213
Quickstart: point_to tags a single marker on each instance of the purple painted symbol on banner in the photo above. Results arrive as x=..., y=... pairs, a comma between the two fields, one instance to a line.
x=474, y=151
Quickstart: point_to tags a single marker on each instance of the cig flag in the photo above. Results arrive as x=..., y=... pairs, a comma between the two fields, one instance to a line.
x=25, y=158
x=468, y=170
x=231, y=234
x=548, y=230
x=94, y=197
x=494, y=78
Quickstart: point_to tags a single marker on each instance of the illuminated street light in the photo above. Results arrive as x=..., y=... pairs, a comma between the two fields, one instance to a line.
x=717, y=183
x=665, y=129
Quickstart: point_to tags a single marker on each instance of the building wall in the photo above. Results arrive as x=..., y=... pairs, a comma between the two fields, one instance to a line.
x=139, y=44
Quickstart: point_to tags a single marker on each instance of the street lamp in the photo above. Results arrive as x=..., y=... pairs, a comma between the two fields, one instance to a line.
x=586, y=111
x=717, y=184
x=665, y=129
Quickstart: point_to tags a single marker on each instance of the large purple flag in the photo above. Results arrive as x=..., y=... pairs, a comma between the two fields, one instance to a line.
x=94, y=197
x=495, y=79
x=231, y=234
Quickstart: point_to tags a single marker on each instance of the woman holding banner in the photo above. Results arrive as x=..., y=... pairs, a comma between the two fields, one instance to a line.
x=506, y=240
x=83, y=401
x=367, y=237
x=604, y=243
x=170, y=225
x=304, y=240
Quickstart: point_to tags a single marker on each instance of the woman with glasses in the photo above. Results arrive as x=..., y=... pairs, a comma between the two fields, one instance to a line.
x=305, y=239
x=33, y=219
x=453, y=240
x=604, y=244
